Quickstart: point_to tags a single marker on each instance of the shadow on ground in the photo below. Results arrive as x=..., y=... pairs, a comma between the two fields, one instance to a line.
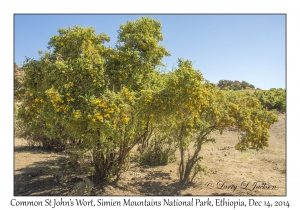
x=41, y=177
x=154, y=183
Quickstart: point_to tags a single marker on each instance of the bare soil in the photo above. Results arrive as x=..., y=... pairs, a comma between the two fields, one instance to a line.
x=228, y=172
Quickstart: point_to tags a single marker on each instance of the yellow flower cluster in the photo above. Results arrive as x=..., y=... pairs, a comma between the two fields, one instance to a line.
x=37, y=100
x=106, y=110
x=57, y=100
x=125, y=119
x=77, y=114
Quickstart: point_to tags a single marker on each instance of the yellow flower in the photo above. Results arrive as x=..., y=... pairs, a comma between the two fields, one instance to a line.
x=151, y=115
x=110, y=110
x=125, y=119
x=31, y=94
x=94, y=120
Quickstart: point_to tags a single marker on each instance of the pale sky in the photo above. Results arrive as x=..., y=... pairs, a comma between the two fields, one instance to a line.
x=232, y=47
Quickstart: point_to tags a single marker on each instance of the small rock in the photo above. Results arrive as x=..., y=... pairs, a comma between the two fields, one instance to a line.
x=63, y=184
x=138, y=173
x=171, y=170
x=29, y=176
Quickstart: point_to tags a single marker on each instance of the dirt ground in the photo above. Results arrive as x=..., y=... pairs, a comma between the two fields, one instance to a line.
x=228, y=172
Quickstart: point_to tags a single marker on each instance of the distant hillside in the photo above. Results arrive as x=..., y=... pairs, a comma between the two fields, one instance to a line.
x=18, y=78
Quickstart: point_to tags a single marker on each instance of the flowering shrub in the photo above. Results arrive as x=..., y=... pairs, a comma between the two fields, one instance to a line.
x=92, y=98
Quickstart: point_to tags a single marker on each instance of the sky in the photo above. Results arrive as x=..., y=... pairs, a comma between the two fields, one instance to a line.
x=249, y=48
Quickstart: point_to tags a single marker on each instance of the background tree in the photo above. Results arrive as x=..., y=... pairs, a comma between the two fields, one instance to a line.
x=234, y=85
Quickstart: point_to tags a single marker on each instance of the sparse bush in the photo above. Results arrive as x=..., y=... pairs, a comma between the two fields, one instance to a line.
x=161, y=152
